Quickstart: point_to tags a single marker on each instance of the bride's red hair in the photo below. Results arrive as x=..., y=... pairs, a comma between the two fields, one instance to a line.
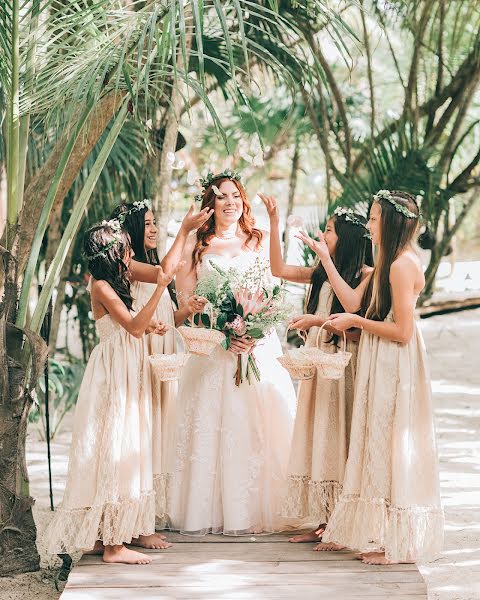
x=207, y=230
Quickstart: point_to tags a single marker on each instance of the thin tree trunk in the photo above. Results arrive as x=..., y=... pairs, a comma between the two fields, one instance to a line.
x=438, y=251
x=59, y=302
x=164, y=162
x=291, y=196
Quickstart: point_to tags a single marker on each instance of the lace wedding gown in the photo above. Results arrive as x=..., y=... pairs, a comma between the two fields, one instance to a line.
x=163, y=394
x=391, y=492
x=321, y=433
x=109, y=492
x=232, y=443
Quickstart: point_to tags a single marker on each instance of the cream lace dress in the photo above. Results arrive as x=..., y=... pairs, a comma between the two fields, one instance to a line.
x=163, y=394
x=232, y=443
x=109, y=492
x=391, y=496
x=321, y=433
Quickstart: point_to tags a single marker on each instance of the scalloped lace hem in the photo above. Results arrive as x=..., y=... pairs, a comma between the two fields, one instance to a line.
x=413, y=533
x=307, y=499
x=114, y=523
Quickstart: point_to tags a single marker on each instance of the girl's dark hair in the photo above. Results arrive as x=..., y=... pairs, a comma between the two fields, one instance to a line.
x=353, y=251
x=133, y=221
x=396, y=232
x=105, y=258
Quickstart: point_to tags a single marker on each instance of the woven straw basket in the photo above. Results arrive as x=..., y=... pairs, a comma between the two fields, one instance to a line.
x=329, y=366
x=297, y=362
x=168, y=367
x=201, y=340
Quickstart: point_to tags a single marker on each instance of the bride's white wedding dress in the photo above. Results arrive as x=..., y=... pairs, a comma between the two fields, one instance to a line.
x=232, y=443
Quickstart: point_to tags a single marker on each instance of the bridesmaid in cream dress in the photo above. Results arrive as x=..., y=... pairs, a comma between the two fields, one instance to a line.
x=138, y=221
x=390, y=509
x=109, y=498
x=324, y=407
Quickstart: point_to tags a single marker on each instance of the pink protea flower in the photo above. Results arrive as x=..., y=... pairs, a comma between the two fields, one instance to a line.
x=252, y=302
x=238, y=326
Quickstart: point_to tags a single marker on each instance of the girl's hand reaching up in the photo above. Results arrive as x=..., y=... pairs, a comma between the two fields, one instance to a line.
x=193, y=220
x=271, y=206
x=320, y=248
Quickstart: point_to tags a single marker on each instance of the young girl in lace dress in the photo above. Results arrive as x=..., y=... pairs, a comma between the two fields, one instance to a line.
x=109, y=498
x=138, y=221
x=390, y=507
x=322, y=424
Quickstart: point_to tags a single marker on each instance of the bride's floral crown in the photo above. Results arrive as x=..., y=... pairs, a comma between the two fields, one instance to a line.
x=207, y=181
x=116, y=225
x=387, y=195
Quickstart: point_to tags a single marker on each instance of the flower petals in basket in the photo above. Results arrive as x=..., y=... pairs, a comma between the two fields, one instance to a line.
x=329, y=365
x=201, y=340
x=297, y=362
x=168, y=367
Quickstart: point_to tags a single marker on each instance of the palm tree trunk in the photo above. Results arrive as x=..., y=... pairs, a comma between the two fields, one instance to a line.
x=39, y=185
x=17, y=527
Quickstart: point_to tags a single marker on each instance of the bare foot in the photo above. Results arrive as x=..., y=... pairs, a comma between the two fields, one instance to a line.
x=361, y=555
x=152, y=542
x=328, y=547
x=97, y=549
x=311, y=536
x=120, y=554
x=379, y=558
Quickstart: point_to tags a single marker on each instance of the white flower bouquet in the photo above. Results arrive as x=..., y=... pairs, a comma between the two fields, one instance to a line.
x=244, y=303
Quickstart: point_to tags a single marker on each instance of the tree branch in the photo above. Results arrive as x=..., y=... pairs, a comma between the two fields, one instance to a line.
x=312, y=42
x=366, y=40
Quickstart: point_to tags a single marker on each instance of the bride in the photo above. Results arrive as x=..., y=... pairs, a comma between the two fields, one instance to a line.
x=232, y=442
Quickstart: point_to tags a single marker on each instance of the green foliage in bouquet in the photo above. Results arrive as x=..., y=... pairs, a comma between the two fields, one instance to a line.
x=243, y=303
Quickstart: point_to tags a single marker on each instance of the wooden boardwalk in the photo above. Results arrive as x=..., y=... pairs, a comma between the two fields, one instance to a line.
x=247, y=568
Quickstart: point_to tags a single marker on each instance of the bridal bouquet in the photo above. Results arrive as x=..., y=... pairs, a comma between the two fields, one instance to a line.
x=243, y=302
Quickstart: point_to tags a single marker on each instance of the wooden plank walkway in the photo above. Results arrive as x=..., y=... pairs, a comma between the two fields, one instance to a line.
x=246, y=568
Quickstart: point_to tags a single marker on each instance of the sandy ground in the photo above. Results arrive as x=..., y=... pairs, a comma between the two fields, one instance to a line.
x=454, y=350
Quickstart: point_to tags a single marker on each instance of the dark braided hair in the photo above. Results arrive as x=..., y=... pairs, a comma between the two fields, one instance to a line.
x=105, y=248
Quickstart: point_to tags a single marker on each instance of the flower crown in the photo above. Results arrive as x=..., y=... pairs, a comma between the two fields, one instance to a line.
x=387, y=195
x=351, y=217
x=207, y=181
x=117, y=224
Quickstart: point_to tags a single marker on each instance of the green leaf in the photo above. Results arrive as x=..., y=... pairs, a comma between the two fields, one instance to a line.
x=205, y=320
x=239, y=310
x=256, y=333
x=222, y=320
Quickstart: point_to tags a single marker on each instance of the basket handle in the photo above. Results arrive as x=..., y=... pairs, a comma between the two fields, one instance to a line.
x=320, y=329
x=177, y=333
x=301, y=334
x=206, y=309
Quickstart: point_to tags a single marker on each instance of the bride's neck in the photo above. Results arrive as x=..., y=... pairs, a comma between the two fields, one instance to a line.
x=226, y=232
